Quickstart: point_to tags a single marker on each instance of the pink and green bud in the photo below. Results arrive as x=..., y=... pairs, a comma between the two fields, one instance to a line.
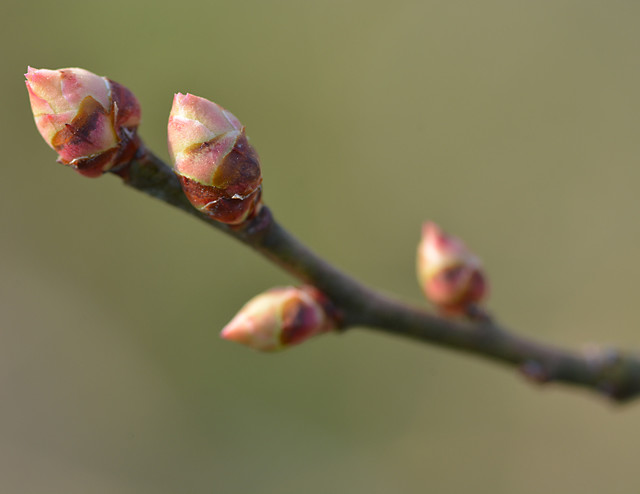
x=451, y=276
x=90, y=121
x=217, y=167
x=281, y=317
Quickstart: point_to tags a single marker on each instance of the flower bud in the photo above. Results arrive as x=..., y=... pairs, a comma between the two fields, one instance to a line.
x=281, y=317
x=450, y=275
x=90, y=121
x=217, y=167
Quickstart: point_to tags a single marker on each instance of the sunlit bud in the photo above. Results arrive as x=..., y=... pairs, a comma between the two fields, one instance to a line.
x=281, y=317
x=450, y=275
x=90, y=121
x=218, y=169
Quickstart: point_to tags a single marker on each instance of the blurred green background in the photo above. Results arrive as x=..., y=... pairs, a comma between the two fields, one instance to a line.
x=512, y=123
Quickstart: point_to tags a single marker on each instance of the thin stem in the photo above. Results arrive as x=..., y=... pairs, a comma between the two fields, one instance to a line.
x=607, y=371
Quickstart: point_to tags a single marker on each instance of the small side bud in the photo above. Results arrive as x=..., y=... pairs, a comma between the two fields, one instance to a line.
x=451, y=276
x=217, y=167
x=281, y=317
x=535, y=372
x=90, y=121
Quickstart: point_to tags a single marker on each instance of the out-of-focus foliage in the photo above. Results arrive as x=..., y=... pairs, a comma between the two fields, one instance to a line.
x=512, y=124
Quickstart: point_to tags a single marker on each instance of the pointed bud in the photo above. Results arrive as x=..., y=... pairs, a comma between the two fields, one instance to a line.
x=218, y=169
x=90, y=121
x=281, y=317
x=450, y=275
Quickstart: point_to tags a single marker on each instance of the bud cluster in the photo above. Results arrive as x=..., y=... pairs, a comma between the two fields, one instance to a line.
x=91, y=122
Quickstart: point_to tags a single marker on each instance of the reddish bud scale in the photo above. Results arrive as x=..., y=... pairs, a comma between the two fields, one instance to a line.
x=297, y=322
x=301, y=321
x=456, y=286
x=90, y=121
x=212, y=201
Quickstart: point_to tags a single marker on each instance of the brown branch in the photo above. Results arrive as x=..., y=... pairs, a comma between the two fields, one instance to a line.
x=609, y=372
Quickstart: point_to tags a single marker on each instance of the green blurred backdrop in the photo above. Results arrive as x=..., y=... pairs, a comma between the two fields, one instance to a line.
x=512, y=123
